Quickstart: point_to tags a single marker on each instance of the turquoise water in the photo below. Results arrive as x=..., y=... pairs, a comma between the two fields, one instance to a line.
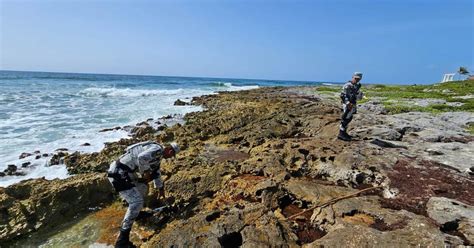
x=46, y=111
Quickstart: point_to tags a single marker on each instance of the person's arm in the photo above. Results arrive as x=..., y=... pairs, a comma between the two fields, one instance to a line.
x=162, y=193
x=360, y=94
x=158, y=182
x=147, y=176
x=145, y=159
x=345, y=93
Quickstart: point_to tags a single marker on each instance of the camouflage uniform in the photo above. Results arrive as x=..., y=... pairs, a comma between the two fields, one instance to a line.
x=141, y=157
x=350, y=94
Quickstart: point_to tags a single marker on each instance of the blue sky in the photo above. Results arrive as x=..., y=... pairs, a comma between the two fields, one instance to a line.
x=396, y=41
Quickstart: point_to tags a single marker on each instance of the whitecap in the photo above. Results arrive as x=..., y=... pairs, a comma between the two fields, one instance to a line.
x=127, y=92
x=69, y=115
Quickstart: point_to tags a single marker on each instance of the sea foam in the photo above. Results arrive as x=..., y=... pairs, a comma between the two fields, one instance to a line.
x=46, y=111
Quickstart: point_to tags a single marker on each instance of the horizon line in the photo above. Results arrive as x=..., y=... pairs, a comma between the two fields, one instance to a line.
x=148, y=75
x=210, y=77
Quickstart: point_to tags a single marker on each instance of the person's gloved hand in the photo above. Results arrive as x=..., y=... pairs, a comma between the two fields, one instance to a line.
x=147, y=177
x=162, y=193
x=141, y=180
x=360, y=95
x=349, y=106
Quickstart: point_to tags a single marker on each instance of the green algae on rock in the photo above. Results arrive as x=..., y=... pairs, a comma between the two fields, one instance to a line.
x=252, y=158
x=41, y=204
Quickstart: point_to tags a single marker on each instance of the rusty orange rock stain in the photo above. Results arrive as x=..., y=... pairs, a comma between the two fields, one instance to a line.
x=109, y=219
x=360, y=219
x=236, y=192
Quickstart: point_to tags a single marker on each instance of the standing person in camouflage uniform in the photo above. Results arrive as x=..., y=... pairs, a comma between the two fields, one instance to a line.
x=141, y=159
x=349, y=96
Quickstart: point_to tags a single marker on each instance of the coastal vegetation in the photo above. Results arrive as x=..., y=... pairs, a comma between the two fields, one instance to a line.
x=470, y=128
x=435, y=98
x=257, y=168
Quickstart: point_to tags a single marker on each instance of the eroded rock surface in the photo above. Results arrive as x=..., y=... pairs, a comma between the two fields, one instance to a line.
x=38, y=203
x=252, y=159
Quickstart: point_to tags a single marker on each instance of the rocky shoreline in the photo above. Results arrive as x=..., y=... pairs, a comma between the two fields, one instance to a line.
x=251, y=159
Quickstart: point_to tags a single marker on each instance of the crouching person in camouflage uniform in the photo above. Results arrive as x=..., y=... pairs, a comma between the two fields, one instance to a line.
x=142, y=159
x=349, y=96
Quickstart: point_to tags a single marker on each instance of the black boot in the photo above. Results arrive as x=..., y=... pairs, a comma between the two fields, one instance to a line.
x=347, y=135
x=142, y=215
x=123, y=240
x=344, y=136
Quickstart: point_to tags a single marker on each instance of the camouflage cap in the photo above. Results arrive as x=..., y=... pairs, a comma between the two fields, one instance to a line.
x=357, y=74
x=175, y=147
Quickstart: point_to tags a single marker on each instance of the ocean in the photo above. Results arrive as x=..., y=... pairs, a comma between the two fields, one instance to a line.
x=44, y=111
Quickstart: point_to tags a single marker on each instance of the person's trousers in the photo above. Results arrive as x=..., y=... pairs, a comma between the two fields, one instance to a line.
x=135, y=197
x=347, y=115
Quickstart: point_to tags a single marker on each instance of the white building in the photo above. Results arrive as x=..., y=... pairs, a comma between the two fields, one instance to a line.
x=448, y=77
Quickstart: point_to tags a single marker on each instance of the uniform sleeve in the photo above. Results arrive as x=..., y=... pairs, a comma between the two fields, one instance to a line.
x=345, y=93
x=360, y=94
x=148, y=157
x=157, y=180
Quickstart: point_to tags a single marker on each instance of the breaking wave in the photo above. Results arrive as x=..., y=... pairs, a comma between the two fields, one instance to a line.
x=227, y=86
x=126, y=92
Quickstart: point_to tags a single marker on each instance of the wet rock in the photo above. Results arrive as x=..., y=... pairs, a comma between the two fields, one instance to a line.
x=16, y=173
x=162, y=127
x=180, y=103
x=24, y=155
x=143, y=130
x=109, y=129
x=61, y=150
x=38, y=157
x=49, y=203
x=45, y=155
x=86, y=144
x=25, y=164
x=57, y=158
x=2, y=174
x=143, y=123
x=10, y=168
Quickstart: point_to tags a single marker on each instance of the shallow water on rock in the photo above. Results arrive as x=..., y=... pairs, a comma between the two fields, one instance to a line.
x=98, y=229
x=83, y=234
